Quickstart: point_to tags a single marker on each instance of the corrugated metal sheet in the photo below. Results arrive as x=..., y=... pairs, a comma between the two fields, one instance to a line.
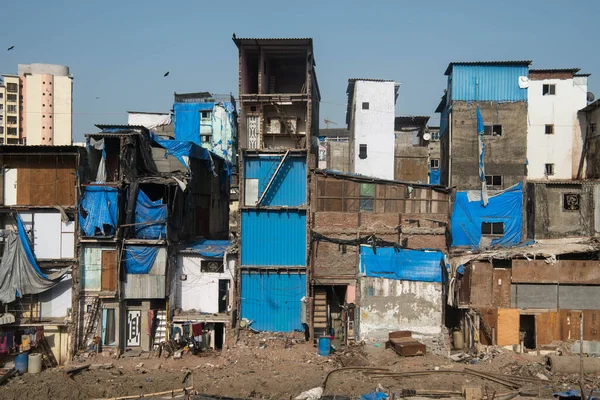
x=150, y=285
x=488, y=83
x=575, y=297
x=289, y=186
x=534, y=296
x=272, y=300
x=273, y=238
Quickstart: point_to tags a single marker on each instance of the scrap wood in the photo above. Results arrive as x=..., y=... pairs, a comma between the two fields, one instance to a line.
x=78, y=369
x=492, y=378
x=143, y=395
x=9, y=374
x=350, y=369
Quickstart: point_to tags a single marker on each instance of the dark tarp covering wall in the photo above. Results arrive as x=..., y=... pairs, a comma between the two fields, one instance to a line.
x=19, y=272
x=402, y=264
x=140, y=259
x=98, y=211
x=150, y=218
x=469, y=214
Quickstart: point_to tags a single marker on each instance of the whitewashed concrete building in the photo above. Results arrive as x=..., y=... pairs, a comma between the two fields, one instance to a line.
x=555, y=135
x=370, y=119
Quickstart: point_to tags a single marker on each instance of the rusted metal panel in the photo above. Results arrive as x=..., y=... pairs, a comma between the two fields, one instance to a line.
x=570, y=325
x=547, y=328
x=524, y=271
x=565, y=271
x=408, y=347
x=481, y=284
x=501, y=288
x=591, y=325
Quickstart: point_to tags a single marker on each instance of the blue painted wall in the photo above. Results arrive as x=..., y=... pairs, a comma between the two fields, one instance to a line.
x=487, y=82
x=272, y=300
x=271, y=238
x=289, y=186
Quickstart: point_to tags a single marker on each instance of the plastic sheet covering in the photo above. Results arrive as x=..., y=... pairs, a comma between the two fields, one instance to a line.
x=99, y=145
x=150, y=218
x=208, y=248
x=98, y=211
x=19, y=272
x=469, y=214
x=434, y=176
x=402, y=264
x=187, y=120
x=183, y=151
x=140, y=259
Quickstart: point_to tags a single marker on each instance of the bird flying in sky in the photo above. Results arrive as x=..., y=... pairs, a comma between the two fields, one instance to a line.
x=166, y=74
x=10, y=48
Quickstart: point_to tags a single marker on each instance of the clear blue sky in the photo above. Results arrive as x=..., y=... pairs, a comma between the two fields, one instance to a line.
x=119, y=50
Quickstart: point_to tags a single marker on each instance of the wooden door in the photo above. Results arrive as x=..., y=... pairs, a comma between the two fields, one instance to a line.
x=109, y=271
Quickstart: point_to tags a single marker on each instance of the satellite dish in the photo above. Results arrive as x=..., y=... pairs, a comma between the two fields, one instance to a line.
x=590, y=97
x=426, y=136
x=523, y=82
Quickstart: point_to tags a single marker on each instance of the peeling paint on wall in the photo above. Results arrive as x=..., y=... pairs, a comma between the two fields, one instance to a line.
x=390, y=305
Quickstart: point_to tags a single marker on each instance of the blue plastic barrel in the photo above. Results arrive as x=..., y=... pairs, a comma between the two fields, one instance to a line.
x=324, y=346
x=21, y=363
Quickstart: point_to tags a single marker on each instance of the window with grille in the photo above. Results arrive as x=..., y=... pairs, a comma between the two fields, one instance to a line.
x=571, y=202
x=367, y=196
x=548, y=90
x=214, y=266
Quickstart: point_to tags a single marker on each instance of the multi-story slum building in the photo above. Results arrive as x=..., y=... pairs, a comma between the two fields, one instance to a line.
x=279, y=108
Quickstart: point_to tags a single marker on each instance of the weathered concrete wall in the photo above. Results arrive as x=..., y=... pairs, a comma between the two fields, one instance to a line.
x=338, y=156
x=411, y=163
x=593, y=152
x=387, y=305
x=551, y=220
x=505, y=155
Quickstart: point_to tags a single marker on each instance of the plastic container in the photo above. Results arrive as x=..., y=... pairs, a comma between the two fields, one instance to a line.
x=35, y=364
x=21, y=362
x=458, y=339
x=324, y=346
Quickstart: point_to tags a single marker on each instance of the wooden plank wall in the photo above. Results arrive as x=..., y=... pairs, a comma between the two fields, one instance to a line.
x=507, y=332
x=333, y=194
x=45, y=180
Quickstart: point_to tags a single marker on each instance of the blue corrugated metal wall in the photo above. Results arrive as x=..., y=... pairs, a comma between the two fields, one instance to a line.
x=289, y=186
x=488, y=82
x=272, y=300
x=271, y=238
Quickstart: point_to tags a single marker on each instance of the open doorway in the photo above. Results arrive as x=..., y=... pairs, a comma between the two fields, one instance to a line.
x=527, y=331
x=330, y=317
x=219, y=335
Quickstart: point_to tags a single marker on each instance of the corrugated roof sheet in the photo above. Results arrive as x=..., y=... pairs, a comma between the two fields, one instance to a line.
x=573, y=70
x=487, y=82
x=273, y=300
x=273, y=238
x=272, y=41
x=334, y=132
x=521, y=62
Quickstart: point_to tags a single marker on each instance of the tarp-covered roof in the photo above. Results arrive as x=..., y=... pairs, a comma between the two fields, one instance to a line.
x=207, y=248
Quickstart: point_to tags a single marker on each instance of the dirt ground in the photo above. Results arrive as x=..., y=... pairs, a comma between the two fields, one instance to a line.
x=259, y=367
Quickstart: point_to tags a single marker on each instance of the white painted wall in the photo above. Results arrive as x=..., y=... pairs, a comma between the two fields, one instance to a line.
x=200, y=290
x=388, y=305
x=373, y=127
x=563, y=148
x=55, y=302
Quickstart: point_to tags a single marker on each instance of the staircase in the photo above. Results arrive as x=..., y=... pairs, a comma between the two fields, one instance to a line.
x=320, y=312
x=160, y=335
x=272, y=178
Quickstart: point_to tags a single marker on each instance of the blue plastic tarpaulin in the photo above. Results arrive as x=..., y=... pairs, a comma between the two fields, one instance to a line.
x=98, y=211
x=469, y=215
x=140, y=259
x=374, y=396
x=208, y=248
x=187, y=120
x=402, y=264
x=24, y=239
x=434, y=176
x=150, y=218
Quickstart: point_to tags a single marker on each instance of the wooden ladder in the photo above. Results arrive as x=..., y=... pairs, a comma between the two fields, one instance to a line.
x=91, y=321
